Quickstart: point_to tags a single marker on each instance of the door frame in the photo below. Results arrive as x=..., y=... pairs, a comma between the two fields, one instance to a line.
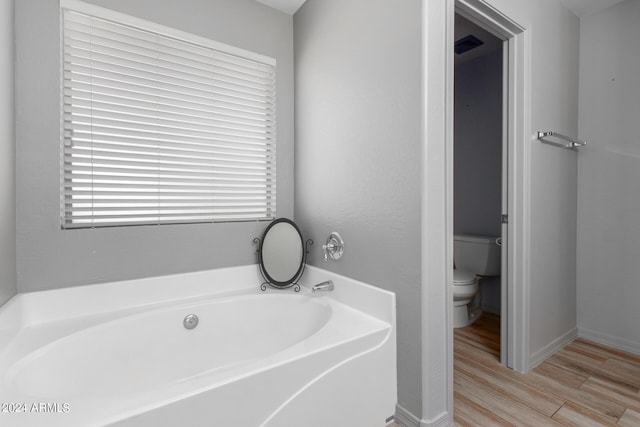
x=437, y=195
x=476, y=12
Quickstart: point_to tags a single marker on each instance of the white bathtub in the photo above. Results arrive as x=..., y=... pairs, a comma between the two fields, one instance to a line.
x=118, y=354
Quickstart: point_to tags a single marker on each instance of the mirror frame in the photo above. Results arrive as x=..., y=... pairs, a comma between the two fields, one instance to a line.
x=263, y=271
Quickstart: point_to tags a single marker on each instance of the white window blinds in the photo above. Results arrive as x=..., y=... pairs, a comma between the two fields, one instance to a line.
x=160, y=129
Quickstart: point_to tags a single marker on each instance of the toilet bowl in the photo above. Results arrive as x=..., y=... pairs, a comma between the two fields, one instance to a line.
x=475, y=257
x=465, y=290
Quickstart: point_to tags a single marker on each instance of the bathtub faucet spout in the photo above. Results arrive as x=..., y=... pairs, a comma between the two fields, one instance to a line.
x=323, y=287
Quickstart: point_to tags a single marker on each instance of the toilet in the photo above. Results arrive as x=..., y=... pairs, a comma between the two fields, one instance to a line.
x=475, y=257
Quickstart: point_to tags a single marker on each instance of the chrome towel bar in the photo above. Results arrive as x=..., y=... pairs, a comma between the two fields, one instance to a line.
x=568, y=142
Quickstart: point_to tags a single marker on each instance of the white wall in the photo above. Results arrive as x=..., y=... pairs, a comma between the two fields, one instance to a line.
x=49, y=257
x=609, y=177
x=7, y=157
x=358, y=152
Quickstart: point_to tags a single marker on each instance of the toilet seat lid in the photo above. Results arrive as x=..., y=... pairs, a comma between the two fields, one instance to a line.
x=463, y=277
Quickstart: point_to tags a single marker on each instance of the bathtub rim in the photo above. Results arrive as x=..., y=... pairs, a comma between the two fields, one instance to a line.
x=32, y=308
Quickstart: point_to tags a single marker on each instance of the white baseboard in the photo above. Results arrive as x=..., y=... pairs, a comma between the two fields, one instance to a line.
x=407, y=419
x=441, y=420
x=551, y=348
x=610, y=340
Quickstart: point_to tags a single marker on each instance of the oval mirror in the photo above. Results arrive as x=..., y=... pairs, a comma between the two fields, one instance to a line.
x=282, y=253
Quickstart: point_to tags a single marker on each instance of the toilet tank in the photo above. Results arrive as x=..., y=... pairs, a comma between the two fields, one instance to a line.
x=480, y=254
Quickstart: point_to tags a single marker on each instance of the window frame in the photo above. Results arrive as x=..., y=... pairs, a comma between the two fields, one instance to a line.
x=144, y=25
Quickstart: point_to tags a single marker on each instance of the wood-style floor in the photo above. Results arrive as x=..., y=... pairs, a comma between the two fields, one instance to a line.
x=585, y=384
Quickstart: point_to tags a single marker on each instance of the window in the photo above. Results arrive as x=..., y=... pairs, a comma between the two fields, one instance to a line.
x=161, y=126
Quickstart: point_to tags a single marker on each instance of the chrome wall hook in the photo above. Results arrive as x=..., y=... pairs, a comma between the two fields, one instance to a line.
x=334, y=247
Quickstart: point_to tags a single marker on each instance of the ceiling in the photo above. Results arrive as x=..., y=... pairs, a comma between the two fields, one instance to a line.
x=286, y=6
x=587, y=7
x=578, y=7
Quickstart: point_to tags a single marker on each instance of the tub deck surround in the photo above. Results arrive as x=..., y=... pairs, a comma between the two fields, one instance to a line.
x=118, y=353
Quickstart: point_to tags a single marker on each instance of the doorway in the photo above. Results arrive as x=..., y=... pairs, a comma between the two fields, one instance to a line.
x=515, y=177
x=480, y=199
x=438, y=188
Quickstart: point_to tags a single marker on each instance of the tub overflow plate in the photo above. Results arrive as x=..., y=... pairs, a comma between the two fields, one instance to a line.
x=190, y=321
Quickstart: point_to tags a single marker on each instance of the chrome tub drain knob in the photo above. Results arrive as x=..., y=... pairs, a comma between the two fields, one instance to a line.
x=190, y=321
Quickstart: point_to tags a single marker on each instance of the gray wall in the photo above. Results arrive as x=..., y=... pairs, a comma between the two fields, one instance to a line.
x=554, y=46
x=7, y=157
x=609, y=177
x=48, y=257
x=358, y=152
x=478, y=146
x=554, y=106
